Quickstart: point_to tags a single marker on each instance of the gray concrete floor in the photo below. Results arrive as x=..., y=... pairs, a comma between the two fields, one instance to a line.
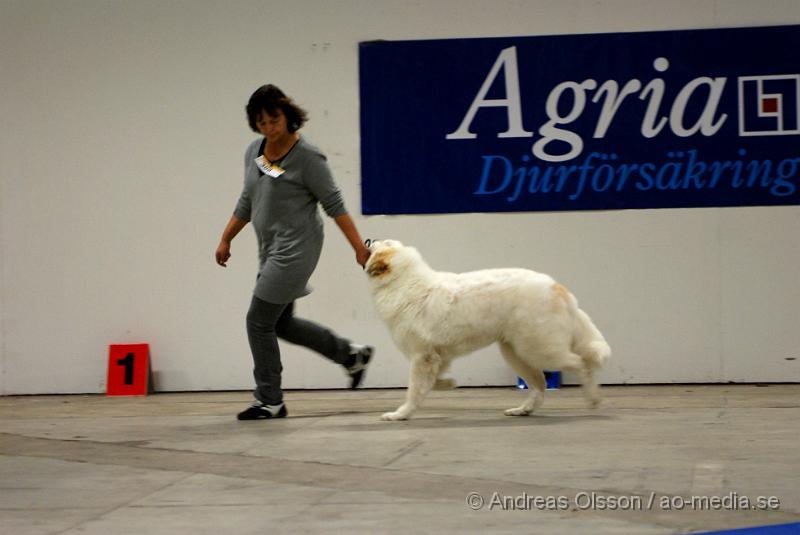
x=181, y=463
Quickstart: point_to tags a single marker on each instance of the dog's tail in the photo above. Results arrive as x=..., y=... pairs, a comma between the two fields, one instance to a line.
x=589, y=342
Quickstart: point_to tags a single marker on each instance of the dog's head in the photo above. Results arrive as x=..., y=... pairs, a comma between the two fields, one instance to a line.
x=389, y=258
x=379, y=263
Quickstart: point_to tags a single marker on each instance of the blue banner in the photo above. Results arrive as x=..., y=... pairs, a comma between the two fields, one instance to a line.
x=581, y=122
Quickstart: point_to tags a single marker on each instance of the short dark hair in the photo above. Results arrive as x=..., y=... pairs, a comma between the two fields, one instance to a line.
x=270, y=98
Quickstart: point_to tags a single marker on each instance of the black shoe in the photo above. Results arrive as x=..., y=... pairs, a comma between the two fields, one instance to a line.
x=262, y=411
x=361, y=357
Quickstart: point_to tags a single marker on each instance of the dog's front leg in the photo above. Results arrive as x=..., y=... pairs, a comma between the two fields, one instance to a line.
x=444, y=383
x=424, y=371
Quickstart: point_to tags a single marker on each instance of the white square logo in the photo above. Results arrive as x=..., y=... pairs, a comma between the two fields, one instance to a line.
x=769, y=105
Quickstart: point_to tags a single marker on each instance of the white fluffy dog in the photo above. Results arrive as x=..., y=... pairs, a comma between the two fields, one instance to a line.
x=435, y=317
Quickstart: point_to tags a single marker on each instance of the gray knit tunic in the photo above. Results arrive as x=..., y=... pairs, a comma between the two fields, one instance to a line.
x=284, y=214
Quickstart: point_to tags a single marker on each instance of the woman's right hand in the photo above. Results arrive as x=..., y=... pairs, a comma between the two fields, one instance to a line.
x=223, y=252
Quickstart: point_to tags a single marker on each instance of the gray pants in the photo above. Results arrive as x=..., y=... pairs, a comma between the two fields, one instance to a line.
x=266, y=322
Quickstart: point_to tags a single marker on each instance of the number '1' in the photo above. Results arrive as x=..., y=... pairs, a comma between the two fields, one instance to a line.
x=128, y=363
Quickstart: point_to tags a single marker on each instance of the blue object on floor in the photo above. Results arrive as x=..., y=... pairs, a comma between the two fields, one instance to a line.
x=553, y=380
x=778, y=529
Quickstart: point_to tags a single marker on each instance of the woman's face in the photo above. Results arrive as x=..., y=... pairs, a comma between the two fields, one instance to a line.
x=272, y=126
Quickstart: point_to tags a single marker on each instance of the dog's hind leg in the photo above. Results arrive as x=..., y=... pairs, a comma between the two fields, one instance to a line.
x=590, y=388
x=533, y=377
x=424, y=371
x=585, y=371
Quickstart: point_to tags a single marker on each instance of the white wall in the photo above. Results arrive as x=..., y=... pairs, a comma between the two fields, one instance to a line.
x=121, y=157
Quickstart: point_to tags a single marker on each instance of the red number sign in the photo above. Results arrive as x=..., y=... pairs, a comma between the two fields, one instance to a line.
x=128, y=370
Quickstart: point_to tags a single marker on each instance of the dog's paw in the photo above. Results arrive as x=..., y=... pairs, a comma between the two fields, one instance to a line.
x=393, y=416
x=518, y=411
x=445, y=384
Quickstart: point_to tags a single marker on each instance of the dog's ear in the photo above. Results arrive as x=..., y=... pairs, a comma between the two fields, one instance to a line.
x=379, y=264
x=377, y=267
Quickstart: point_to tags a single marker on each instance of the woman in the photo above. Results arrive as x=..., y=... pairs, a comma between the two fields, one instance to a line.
x=285, y=178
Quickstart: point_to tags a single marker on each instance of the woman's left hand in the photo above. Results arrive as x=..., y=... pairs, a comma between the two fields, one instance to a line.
x=348, y=228
x=362, y=255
